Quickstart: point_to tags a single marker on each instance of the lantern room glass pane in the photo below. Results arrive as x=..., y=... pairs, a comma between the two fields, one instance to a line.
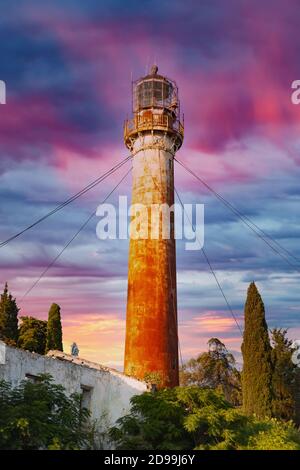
x=153, y=93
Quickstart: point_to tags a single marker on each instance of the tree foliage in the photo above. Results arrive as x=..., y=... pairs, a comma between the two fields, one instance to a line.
x=8, y=317
x=41, y=416
x=275, y=435
x=214, y=369
x=257, y=364
x=283, y=405
x=186, y=418
x=54, y=329
x=32, y=335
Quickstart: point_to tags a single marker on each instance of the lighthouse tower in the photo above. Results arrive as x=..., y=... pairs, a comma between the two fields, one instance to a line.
x=153, y=136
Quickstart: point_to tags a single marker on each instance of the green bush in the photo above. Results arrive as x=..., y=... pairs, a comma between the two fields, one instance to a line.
x=41, y=416
x=186, y=418
x=32, y=335
x=276, y=436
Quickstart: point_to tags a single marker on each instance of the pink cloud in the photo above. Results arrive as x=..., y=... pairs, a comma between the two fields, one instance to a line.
x=195, y=333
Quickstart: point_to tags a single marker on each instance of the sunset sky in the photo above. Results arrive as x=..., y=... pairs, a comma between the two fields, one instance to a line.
x=68, y=66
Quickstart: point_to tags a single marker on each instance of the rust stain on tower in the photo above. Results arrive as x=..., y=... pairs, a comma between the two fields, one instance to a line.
x=153, y=136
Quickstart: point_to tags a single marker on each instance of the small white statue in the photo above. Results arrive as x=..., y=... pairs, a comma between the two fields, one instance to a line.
x=74, y=349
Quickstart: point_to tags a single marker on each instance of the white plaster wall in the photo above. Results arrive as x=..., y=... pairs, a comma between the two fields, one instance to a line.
x=111, y=390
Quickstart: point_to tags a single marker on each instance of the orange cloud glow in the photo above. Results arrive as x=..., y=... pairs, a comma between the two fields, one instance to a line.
x=100, y=338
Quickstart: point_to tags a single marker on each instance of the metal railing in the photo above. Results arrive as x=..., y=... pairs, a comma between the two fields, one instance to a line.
x=151, y=122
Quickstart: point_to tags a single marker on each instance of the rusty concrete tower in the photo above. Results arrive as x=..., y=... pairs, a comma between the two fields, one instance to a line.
x=153, y=136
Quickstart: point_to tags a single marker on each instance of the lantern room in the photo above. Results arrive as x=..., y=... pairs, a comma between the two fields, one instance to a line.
x=155, y=107
x=155, y=91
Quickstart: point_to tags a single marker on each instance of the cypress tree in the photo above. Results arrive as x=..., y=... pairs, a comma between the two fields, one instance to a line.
x=8, y=317
x=297, y=396
x=54, y=329
x=256, y=350
x=283, y=375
